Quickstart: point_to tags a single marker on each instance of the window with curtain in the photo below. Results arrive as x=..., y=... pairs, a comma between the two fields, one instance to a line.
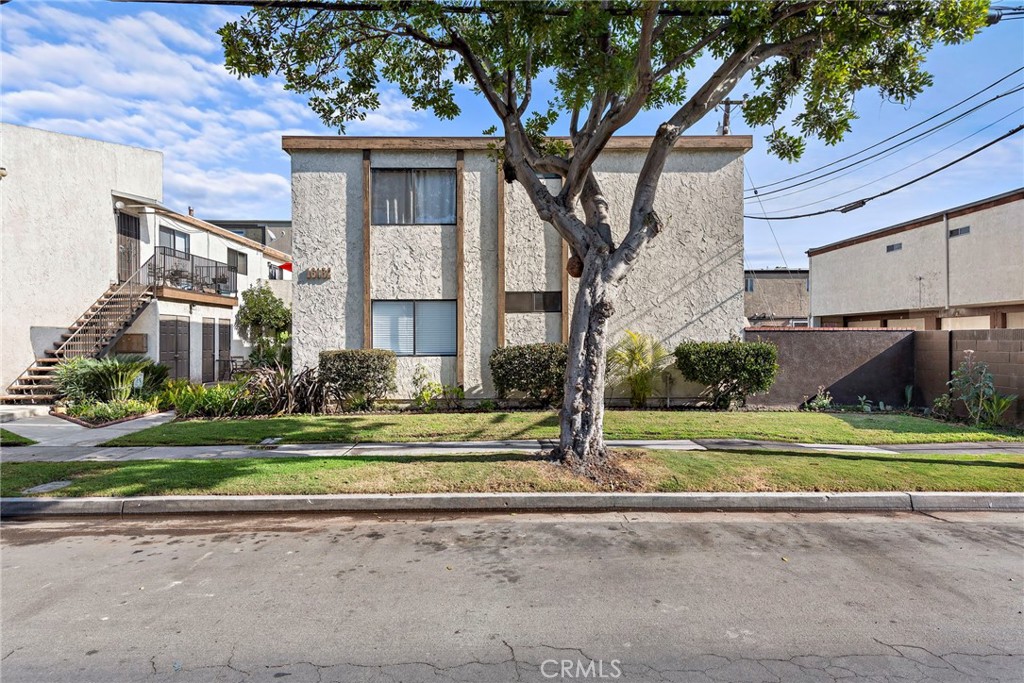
x=174, y=239
x=415, y=328
x=413, y=196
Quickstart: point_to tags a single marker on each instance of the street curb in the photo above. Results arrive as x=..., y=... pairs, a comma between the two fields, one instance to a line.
x=515, y=502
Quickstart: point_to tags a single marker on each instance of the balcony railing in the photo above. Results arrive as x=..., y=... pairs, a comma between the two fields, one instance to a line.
x=181, y=270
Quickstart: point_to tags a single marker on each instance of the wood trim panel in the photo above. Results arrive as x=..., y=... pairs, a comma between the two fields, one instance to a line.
x=460, y=268
x=190, y=297
x=367, y=308
x=292, y=143
x=500, y=278
x=565, y=292
x=991, y=203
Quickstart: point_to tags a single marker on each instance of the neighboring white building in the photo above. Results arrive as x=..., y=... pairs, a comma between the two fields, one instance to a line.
x=92, y=262
x=419, y=246
x=962, y=268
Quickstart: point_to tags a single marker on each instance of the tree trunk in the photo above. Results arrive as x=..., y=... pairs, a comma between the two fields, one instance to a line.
x=581, y=444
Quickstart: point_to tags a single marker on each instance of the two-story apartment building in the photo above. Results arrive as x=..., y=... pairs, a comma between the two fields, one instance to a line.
x=418, y=245
x=961, y=268
x=777, y=297
x=93, y=262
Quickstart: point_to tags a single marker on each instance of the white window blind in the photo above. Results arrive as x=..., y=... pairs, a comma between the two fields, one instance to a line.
x=407, y=197
x=435, y=328
x=393, y=326
x=421, y=328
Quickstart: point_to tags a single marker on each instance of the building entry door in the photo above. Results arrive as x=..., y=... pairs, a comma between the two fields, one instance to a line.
x=174, y=346
x=209, y=357
x=224, y=353
x=127, y=246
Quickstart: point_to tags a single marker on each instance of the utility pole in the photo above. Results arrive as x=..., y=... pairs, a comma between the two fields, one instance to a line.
x=728, y=104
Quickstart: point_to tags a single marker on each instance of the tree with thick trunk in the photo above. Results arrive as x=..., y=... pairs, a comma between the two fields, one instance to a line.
x=606, y=62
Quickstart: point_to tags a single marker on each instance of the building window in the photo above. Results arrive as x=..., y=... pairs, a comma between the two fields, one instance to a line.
x=748, y=284
x=275, y=272
x=415, y=328
x=239, y=261
x=174, y=239
x=893, y=247
x=413, y=197
x=956, y=232
x=533, y=302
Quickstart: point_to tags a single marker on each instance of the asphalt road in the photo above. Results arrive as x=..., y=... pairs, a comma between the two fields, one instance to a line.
x=637, y=597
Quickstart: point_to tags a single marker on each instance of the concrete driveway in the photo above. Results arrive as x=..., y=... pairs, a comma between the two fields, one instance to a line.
x=636, y=597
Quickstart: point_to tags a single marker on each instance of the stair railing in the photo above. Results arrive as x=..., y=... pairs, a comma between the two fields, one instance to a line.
x=118, y=308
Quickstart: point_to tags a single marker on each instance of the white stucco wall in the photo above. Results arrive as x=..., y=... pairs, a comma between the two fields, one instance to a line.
x=688, y=285
x=59, y=235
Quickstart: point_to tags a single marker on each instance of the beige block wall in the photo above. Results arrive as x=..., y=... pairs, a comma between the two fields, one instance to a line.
x=59, y=235
x=864, y=277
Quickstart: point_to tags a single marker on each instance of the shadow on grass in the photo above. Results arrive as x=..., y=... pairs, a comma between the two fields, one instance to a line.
x=875, y=458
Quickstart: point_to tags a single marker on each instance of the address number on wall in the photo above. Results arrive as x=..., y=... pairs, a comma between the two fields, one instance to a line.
x=318, y=274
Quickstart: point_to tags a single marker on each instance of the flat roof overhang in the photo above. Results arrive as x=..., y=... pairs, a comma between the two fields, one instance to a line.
x=294, y=143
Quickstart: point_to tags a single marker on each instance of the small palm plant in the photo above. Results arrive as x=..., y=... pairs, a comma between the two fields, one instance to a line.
x=635, y=362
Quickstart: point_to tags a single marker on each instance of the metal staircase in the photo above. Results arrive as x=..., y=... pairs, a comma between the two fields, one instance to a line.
x=91, y=336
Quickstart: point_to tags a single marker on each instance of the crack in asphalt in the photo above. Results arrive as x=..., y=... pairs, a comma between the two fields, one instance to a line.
x=711, y=667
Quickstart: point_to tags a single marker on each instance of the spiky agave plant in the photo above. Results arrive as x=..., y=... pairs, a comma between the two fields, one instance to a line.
x=635, y=362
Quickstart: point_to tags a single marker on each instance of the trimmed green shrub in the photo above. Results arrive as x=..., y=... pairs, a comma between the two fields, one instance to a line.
x=730, y=370
x=358, y=377
x=537, y=370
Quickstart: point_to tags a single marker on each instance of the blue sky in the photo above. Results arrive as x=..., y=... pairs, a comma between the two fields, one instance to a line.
x=153, y=76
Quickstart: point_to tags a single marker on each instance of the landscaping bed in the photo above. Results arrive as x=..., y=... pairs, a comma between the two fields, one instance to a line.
x=650, y=471
x=793, y=427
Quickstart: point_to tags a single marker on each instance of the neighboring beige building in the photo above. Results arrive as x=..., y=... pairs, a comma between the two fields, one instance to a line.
x=419, y=246
x=962, y=268
x=776, y=297
x=92, y=262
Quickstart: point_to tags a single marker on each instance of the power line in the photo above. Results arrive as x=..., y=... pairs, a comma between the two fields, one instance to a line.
x=768, y=220
x=894, y=135
x=861, y=202
x=887, y=175
x=916, y=138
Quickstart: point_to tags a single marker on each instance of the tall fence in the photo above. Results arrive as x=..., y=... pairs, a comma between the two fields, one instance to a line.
x=881, y=363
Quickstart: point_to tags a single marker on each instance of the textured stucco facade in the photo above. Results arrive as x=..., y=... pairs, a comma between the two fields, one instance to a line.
x=60, y=203
x=689, y=284
x=927, y=273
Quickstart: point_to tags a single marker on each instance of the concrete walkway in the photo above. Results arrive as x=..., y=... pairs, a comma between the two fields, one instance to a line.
x=53, y=432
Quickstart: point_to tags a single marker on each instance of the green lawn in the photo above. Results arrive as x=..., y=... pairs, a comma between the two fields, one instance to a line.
x=11, y=439
x=652, y=471
x=796, y=427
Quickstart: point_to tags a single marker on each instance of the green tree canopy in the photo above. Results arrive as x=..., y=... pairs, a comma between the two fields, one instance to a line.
x=606, y=62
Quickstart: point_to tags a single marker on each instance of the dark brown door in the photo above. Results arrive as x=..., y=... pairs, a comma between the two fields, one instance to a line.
x=127, y=246
x=174, y=346
x=209, y=357
x=224, y=352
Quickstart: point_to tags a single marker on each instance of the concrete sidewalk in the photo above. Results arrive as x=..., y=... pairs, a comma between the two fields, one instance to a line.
x=56, y=451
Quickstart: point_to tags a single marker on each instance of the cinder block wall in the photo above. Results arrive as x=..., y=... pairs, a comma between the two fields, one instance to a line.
x=848, y=362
